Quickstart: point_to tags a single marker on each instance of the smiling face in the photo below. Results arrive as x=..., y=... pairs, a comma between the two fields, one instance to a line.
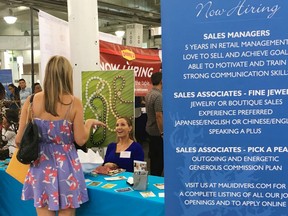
x=123, y=129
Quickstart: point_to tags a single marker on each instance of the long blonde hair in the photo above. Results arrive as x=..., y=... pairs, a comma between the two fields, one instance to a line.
x=57, y=82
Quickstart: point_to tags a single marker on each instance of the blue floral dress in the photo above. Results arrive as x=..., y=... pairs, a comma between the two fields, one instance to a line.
x=56, y=179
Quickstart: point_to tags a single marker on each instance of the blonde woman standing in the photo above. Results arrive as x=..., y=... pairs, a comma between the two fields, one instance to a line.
x=56, y=181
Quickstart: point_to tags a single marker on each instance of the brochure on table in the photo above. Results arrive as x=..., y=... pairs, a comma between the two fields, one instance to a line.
x=140, y=175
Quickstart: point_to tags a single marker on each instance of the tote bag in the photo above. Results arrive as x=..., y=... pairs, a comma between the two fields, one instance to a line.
x=16, y=169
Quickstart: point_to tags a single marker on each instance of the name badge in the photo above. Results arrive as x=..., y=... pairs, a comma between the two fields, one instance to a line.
x=125, y=154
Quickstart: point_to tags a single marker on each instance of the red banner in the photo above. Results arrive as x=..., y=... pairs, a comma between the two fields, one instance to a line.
x=144, y=62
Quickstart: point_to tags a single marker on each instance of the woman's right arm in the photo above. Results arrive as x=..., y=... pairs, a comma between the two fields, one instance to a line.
x=23, y=121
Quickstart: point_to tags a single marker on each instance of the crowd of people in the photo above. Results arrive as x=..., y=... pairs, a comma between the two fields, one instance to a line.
x=15, y=97
x=11, y=101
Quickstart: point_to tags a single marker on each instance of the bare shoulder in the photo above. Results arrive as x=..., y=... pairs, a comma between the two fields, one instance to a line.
x=37, y=99
x=37, y=96
x=77, y=106
x=77, y=102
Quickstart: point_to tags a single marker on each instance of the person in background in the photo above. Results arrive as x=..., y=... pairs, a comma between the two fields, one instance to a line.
x=24, y=92
x=55, y=180
x=2, y=105
x=9, y=129
x=154, y=124
x=2, y=91
x=37, y=88
x=140, y=120
x=14, y=97
x=124, y=152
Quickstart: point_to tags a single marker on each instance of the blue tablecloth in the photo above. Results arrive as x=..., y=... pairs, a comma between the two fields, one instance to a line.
x=10, y=193
x=102, y=202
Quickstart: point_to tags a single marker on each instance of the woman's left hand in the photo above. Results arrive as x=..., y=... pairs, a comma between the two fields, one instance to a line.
x=102, y=170
x=112, y=166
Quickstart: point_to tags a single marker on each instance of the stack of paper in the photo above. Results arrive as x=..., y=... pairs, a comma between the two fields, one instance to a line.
x=89, y=160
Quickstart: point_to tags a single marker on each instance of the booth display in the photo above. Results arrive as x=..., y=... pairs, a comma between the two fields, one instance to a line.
x=225, y=107
x=107, y=95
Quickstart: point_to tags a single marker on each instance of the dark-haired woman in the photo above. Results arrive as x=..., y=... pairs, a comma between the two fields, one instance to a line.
x=14, y=97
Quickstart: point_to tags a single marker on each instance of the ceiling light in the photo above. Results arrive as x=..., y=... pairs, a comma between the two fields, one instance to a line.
x=119, y=33
x=22, y=8
x=10, y=19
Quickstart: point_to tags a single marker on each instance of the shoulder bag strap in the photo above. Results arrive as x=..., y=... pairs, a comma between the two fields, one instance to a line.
x=30, y=114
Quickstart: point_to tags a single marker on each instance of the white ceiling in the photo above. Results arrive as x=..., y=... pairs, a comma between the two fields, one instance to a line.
x=112, y=14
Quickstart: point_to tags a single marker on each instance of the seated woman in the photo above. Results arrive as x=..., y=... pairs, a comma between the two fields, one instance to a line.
x=14, y=97
x=125, y=151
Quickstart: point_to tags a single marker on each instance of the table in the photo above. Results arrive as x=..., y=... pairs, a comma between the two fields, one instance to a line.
x=10, y=193
x=102, y=202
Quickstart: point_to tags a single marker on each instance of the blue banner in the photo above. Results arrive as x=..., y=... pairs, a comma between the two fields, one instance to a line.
x=6, y=77
x=225, y=93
